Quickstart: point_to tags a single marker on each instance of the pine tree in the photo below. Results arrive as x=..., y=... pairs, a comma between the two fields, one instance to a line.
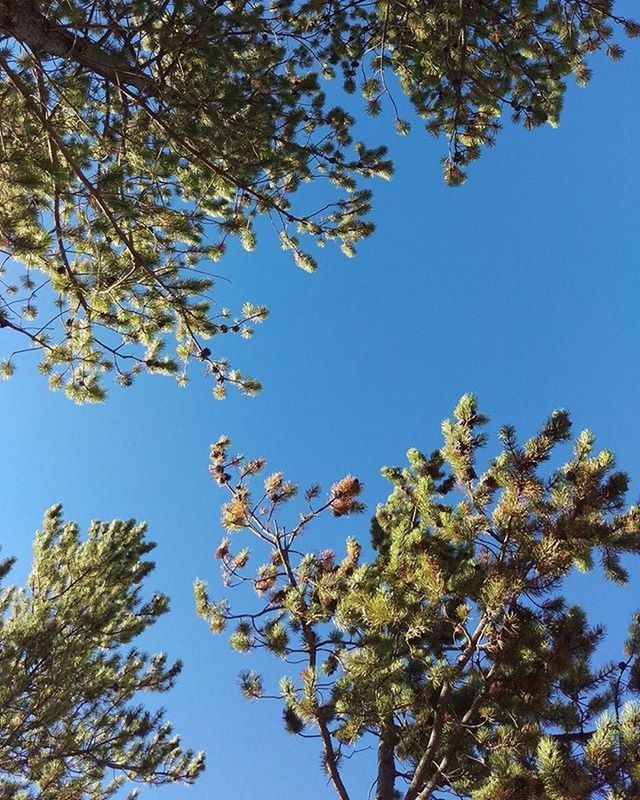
x=451, y=645
x=72, y=725
x=137, y=137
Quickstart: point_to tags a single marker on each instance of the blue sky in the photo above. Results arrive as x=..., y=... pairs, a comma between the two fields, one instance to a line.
x=521, y=286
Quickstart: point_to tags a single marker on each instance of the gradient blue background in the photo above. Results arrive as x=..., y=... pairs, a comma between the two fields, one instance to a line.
x=521, y=286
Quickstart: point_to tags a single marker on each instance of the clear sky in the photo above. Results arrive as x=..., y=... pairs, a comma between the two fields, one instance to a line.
x=522, y=286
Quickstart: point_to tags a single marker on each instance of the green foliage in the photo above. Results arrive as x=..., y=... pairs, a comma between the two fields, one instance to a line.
x=138, y=138
x=452, y=644
x=71, y=721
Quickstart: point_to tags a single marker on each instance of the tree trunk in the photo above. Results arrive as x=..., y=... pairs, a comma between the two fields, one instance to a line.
x=21, y=20
x=386, y=768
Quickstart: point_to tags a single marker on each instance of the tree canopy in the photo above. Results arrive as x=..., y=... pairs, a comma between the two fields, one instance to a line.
x=137, y=137
x=71, y=722
x=448, y=642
